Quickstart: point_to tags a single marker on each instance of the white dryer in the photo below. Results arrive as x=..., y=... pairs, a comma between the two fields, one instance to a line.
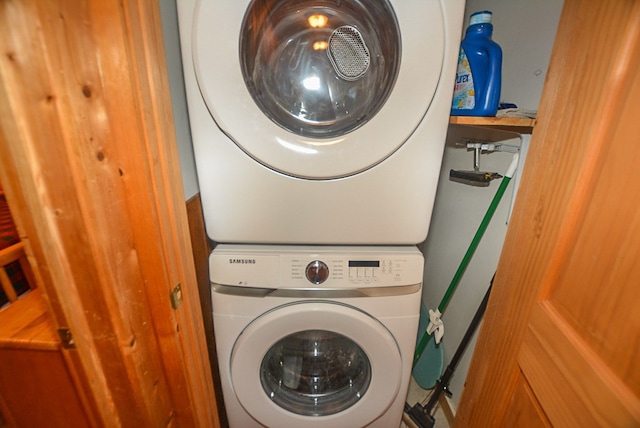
x=319, y=121
x=315, y=336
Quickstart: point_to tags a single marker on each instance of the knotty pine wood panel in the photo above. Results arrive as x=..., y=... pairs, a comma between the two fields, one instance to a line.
x=89, y=164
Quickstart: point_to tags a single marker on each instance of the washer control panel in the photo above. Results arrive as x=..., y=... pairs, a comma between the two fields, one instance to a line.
x=315, y=267
x=355, y=272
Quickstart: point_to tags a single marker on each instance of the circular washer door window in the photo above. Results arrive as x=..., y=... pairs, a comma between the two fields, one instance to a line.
x=318, y=89
x=310, y=363
x=320, y=68
x=315, y=373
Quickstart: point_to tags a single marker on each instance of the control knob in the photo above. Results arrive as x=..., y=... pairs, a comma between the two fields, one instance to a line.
x=317, y=272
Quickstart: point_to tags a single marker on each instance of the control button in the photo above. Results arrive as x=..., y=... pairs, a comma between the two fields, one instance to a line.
x=317, y=272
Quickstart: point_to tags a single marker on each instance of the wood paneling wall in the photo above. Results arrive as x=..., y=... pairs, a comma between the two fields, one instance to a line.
x=202, y=247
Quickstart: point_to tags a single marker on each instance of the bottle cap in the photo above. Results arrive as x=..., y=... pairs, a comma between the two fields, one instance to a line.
x=483, y=17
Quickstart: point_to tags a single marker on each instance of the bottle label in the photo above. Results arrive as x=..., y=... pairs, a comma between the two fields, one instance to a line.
x=483, y=17
x=463, y=93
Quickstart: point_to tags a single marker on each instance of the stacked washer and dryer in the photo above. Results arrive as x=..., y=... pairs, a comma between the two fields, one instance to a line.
x=318, y=129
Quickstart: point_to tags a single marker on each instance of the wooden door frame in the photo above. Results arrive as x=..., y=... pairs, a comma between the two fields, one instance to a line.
x=90, y=167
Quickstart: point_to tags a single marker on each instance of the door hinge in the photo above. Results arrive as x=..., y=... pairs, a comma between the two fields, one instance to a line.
x=176, y=296
x=66, y=338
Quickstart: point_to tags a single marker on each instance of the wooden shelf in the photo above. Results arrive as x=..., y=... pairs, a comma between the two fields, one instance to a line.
x=513, y=124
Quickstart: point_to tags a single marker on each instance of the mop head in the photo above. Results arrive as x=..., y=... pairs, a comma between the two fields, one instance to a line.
x=473, y=178
x=417, y=417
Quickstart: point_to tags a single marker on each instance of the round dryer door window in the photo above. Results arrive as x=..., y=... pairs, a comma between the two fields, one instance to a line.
x=310, y=363
x=308, y=64
x=318, y=89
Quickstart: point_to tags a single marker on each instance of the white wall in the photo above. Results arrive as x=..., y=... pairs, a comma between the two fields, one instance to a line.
x=178, y=97
x=525, y=30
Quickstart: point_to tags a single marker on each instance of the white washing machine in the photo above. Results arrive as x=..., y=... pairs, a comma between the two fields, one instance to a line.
x=315, y=336
x=319, y=121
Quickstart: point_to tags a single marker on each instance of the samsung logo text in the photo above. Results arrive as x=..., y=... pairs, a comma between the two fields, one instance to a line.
x=243, y=261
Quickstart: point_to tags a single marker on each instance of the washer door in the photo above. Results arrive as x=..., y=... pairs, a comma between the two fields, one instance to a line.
x=318, y=89
x=309, y=363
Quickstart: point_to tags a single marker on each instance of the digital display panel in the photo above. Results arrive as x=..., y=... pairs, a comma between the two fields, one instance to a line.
x=364, y=263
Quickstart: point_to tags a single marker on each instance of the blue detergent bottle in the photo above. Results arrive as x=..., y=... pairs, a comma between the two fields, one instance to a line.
x=479, y=76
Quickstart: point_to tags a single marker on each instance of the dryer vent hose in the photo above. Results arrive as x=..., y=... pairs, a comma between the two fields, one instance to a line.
x=348, y=53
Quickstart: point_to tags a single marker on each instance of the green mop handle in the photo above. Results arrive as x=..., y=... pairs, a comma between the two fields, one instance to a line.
x=484, y=224
x=472, y=248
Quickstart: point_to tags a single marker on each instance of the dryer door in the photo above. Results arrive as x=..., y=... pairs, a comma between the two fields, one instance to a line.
x=318, y=89
x=312, y=362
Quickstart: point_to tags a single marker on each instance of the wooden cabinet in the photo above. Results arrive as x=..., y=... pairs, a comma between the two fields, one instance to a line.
x=37, y=388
